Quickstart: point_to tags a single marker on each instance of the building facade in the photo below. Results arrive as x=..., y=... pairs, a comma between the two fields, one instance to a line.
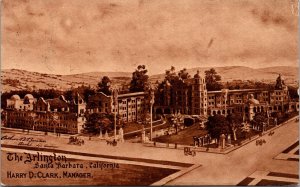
x=51, y=115
x=191, y=97
x=129, y=108
x=187, y=96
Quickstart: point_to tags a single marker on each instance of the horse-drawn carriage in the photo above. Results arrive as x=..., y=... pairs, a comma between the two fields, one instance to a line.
x=271, y=133
x=260, y=142
x=188, y=151
x=112, y=142
x=76, y=141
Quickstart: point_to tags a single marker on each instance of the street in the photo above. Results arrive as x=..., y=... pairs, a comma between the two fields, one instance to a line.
x=231, y=168
x=216, y=169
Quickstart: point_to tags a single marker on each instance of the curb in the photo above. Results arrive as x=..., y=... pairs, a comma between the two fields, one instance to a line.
x=175, y=175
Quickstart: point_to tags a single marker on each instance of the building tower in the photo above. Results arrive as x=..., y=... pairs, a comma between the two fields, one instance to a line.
x=199, y=95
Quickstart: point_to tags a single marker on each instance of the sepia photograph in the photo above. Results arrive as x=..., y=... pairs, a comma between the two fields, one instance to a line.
x=149, y=92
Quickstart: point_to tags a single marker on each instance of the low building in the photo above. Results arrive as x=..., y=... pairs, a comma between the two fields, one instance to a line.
x=51, y=115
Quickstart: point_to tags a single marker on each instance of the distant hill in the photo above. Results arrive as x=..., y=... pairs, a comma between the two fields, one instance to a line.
x=15, y=79
x=230, y=73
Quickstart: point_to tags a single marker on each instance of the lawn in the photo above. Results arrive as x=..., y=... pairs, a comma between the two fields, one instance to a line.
x=184, y=137
x=134, y=126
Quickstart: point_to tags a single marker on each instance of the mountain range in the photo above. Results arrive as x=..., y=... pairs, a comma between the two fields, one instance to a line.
x=16, y=79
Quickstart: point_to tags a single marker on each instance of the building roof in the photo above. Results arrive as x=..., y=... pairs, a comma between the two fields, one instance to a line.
x=15, y=97
x=29, y=96
x=131, y=94
x=233, y=91
x=57, y=103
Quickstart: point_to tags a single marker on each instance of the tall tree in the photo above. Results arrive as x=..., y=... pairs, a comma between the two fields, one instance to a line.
x=234, y=122
x=293, y=92
x=212, y=78
x=217, y=125
x=171, y=75
x=104, y=85
x=88, y=91
x=139, y=81
x=183, y=74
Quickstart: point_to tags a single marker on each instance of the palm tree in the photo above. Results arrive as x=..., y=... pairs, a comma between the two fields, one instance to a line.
x=176, y=120
x=245, y=128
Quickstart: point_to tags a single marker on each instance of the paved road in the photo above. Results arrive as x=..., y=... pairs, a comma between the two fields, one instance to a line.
x=230, y=169
x=219, y=169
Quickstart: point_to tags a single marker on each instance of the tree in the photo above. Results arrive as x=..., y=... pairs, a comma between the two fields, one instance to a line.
x=69, y=95
x=176, y=120
x=245, y=129
x=260, y=119
x=88, y=91
x=97, y=121
x=170, y=75
x=212, y=79
x=183, y=74
x=217, y=125
x=104, y=85
x=139, y=81
x=234, y=122
x=293, y=92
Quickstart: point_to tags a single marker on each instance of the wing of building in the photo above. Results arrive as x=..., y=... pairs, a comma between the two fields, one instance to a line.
x=191, y=97
x=51, y=115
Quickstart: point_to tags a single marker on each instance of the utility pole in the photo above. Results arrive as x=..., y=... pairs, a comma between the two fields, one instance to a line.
x=115, y=103
x=151, y=101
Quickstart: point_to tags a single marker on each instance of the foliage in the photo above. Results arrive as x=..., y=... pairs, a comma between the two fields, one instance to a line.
x=234, y=122
x=259, y=119
x=104, y=85
x=239, y=84
x=11, y=82
x=183, y=74
x=212, y=80
x=176, y=120
x=172, y=77
x=96, y=121
x=293, y=92
x=139, y=81
x=84, y=91
x=217, y=125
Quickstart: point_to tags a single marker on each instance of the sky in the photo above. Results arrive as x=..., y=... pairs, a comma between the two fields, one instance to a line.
x=76, y=36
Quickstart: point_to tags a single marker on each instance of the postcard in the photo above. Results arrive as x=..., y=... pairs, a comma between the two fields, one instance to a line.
x=149, y=92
